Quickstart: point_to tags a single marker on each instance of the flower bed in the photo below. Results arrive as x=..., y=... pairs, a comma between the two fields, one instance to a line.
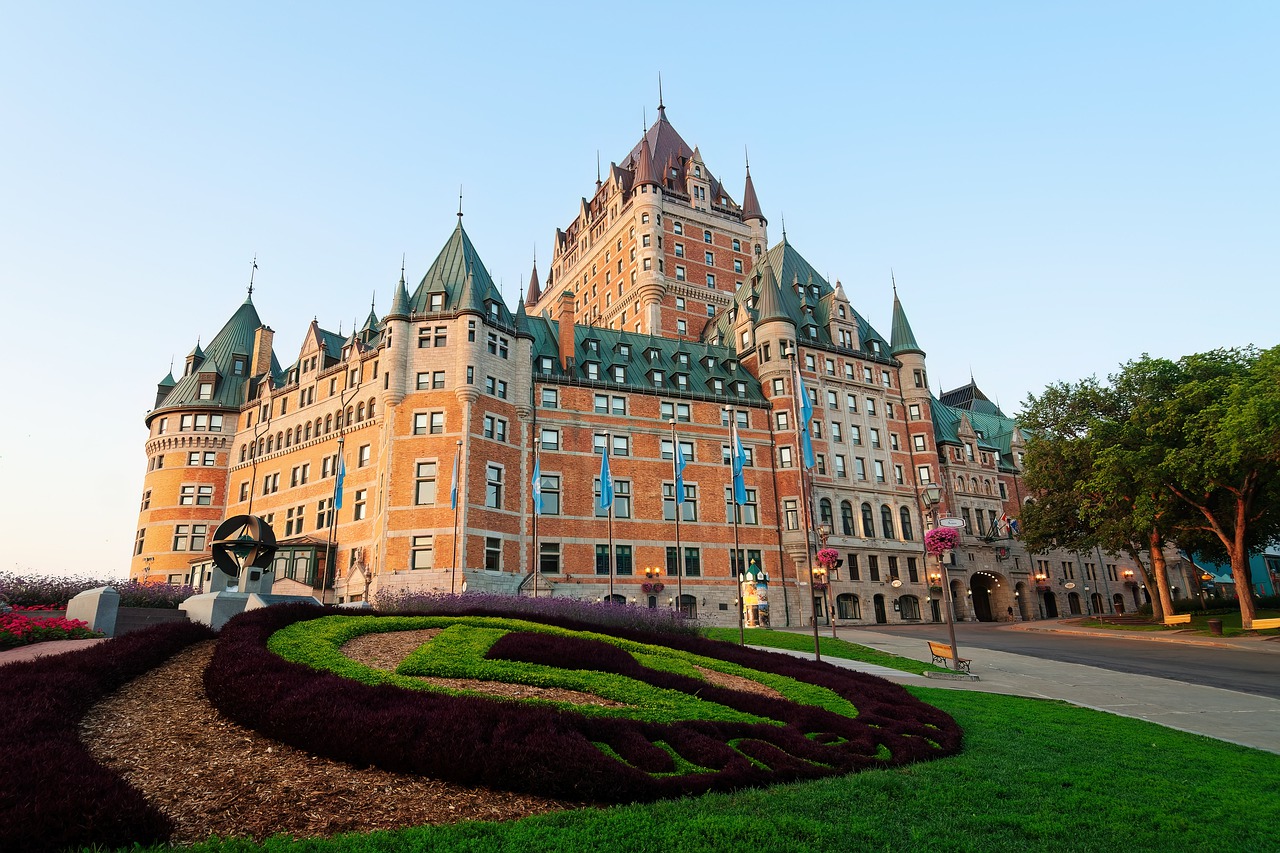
x=21, y=629
x=682, y=734
x=39, y=591
x=53, y=794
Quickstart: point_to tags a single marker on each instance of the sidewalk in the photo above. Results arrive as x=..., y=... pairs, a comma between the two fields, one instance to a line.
x=51, y=647
x=1227, y=715
x=1191, y=638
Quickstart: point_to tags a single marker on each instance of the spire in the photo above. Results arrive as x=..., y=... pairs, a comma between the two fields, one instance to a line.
x=252, y=270
x=751, y=204
x=598, y=168
x=901, y=338
x=371, y=322
x=459, y=203
x=400, y=302
x=535, y=292
x=646, y=173
x=662, y=110
x=469, y=296
x=771, y=302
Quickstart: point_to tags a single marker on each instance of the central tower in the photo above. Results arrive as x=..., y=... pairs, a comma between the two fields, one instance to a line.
x=659, y=248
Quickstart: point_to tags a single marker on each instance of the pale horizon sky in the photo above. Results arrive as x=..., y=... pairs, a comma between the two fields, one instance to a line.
x=1056, y=190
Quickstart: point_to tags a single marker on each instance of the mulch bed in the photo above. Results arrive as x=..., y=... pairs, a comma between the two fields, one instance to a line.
x=213, y=777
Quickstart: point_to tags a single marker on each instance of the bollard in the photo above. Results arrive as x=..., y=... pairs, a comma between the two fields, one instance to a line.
x=1215, y=627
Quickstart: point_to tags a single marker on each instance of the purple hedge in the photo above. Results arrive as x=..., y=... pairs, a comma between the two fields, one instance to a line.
x=523, y=747
x=53, y=794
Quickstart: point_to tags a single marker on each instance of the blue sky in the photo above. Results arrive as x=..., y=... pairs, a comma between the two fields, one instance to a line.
x=1057, y=189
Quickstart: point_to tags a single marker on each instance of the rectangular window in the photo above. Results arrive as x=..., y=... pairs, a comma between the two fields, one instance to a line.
x=549, y=558
x=422, y=553
x=550, y=494
x=873, y=567
x=784, y=456
x=424, y=491
x=140, y=542
x=622, y=563
x=851, y=560
x=362, y=457
x=791, y=512
x=324, y=513
x=748, y=513
x=358, y=510
x=493, y=486
x=550, y=398
x=602, y=559
x=922, y=474
x=689, y=509
x=550, y=439
x=492, y=554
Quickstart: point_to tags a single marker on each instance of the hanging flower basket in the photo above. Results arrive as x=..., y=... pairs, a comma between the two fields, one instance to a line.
x=656, y=586
x=940, y=540
x=828, y=557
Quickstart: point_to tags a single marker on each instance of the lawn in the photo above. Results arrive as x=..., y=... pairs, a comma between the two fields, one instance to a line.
x=830, y=646
x=1034, y=775
x=1199, y=624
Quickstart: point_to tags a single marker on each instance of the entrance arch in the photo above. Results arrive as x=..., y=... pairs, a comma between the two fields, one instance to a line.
x=1097, y=602
x=881, y=616
x=1117, y=602
x=988, y=596
x=689, y=606
x=1050, y=605
x=1073, y=603
x=1024, y=604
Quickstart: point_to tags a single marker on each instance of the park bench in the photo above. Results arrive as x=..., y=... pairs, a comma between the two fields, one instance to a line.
x=1264, y=624
x=942, y=653
x=1178, y=619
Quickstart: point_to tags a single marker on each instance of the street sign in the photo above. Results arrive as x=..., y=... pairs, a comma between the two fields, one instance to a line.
x=951, y=522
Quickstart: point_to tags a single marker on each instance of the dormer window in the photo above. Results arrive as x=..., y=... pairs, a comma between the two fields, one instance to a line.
x=682, y=381
x=624, y=350
x=682, y=359
x=546, y=363
x=875, y=346
x=697, y=171
x=717, y=386
x=204, y=391
x=437, y=302
x=493, y=311
x=653, y=353
x=593, y=370
x=239, y=364
x=709, y=362
x=619, y=373
x=841, y=312
x=657, y=377
x=593, y=346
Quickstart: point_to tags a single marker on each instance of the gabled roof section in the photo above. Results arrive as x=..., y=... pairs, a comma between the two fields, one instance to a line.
x=996, y=430
x=459, y=274
x=970, y=398
x=903, y=339
x=234, y=340
x=665, y=143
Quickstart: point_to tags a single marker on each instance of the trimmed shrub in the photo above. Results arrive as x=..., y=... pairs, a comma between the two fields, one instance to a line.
x=53, y=794
x=612, y=616
x=560, y=752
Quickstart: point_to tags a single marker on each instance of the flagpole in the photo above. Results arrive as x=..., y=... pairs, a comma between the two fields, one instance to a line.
x=453, y=487
x=679, y=495
x=735, y=559
x=330, y=562
x=608, y=440
x=798, y=389
x=536, y=496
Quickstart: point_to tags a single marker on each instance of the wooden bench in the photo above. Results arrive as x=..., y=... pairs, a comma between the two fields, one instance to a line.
x=1178, y=619
x=942, y=653
x=1264, y=624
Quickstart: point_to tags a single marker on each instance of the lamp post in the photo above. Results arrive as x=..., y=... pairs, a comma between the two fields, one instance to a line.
x=826, y=565
x=933, y=497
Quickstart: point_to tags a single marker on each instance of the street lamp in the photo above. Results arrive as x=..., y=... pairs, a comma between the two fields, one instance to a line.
x=933, y=498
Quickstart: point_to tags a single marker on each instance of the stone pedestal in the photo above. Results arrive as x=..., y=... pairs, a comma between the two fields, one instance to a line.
x=97, y=607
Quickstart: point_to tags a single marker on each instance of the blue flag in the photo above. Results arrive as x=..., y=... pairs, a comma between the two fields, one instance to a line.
x=680, y=463
x=537, y=487
x=806, y=415
x=342, y=475
x=606, y=481
x=453, y=490
x=739, y=457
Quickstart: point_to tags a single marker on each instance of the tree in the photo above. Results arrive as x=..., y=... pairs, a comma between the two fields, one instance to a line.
x=1219, y=436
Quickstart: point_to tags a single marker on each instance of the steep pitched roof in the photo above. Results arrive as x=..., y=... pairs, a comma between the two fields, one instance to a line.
x=771, y=305
x=460, y=274
x=751, y=204
x=996, y=431
x=903, y=339
x=646, y=171
x=400, y=302
x=535, y=289
x=234, y=339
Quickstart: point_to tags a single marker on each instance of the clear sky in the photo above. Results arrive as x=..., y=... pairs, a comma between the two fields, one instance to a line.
x=1057, y=188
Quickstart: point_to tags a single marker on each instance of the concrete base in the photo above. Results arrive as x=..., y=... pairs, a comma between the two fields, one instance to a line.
x=215, y=609
x=97, y=607
x=952, y=676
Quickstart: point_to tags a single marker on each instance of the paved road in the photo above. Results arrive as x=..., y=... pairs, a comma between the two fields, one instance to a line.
x=1245, y=670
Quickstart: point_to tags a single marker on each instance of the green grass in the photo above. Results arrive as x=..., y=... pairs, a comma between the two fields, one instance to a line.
x=1199, y=624
x=1035, y=776
x=830, y=646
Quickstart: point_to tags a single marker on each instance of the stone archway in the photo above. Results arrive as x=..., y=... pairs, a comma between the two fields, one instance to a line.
x=1024, y=601
x=988, y=597
x=1117, y=603
x=1050, y=605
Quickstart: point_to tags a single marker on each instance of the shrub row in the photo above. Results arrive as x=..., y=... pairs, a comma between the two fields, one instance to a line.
x=1215, y=605
x=531, y=748
x=53, y=794
x=45, y=591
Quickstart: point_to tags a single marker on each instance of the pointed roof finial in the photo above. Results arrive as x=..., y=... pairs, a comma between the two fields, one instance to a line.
x=784, y=227
x=459, y=203
x=402, y=257
x=253, y=270
x=597, y=168
x=373, y=301
x=746, y=155
x=894, y=282
x=661, y=107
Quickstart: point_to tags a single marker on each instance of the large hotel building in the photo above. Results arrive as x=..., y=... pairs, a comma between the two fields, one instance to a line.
x=666, y=319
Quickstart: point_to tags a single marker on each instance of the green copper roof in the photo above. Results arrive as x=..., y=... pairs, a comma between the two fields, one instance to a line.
x=903, y=339
x=460, y=275
x=642, y=357
x=234, y=341
x=771, y=305
x=995, y=429
x=400, y=302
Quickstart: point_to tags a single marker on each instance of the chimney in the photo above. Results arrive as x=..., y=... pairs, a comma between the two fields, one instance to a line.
x=564, y=317
x=261, y=362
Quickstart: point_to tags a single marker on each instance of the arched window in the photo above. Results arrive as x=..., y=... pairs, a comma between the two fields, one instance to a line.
x=350, y=413
x=909, y=607
x=986, y=486
x=359, y=412
x=904, y=515
x=960, y=483
x=318, y=425
x=824, y=512
x=244, y=451
x=974, y=483
x=886, y=521
x=370, y=407
x=308, y=432
x=271, y=443
x=848, y=606
x=288, y=438
x=262, y=443
x=280, y=440
x=328, y=424
x=868, y=522
x=846, y=517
